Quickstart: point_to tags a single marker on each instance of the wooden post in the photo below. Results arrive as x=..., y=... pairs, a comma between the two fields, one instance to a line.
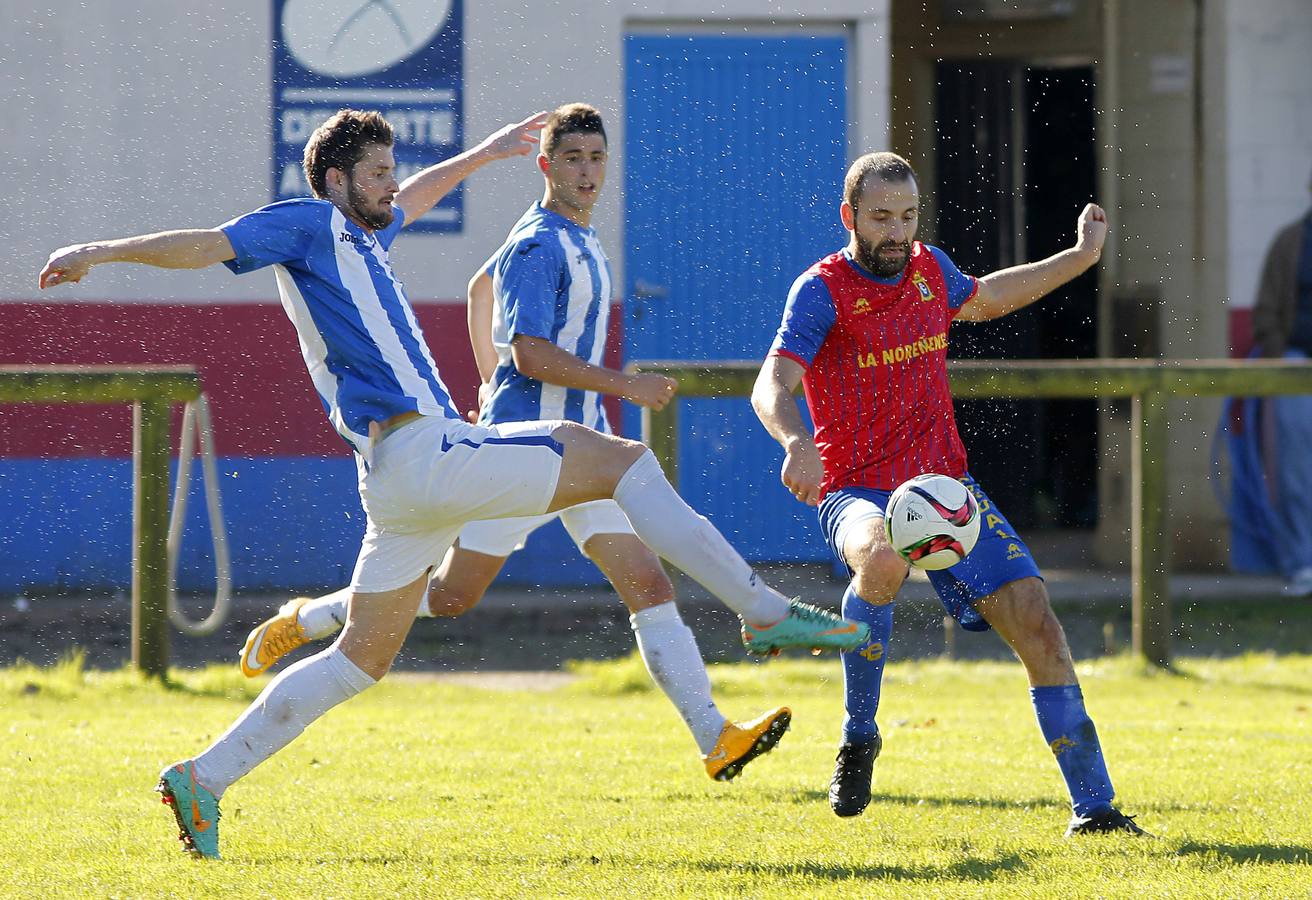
x=150, y=516
x=1150, y=543
x=660, y=432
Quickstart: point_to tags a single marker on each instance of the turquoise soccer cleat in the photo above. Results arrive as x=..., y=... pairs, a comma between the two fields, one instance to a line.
x=195, y=808
x=808, y=627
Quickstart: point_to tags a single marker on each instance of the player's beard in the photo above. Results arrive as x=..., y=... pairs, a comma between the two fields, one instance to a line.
x=867, y=254
x=374, y=217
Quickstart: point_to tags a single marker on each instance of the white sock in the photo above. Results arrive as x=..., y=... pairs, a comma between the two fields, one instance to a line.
x=301, y=694
x=670, y=651
x=670, y=527
x=324, y=615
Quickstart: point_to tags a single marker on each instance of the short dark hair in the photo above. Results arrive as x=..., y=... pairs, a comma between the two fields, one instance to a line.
x=887, y=167
x=340, y=142
x=572, y=118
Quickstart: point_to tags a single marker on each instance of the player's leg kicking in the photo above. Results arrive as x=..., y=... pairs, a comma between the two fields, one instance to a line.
x=426, y=481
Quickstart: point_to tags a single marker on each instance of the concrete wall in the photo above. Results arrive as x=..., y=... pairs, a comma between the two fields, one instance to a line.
x=123, y=118
x=136, y=117
x=1268, y=130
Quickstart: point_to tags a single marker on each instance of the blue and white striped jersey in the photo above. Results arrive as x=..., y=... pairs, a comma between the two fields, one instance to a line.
x=550, y=280
x=358, y=334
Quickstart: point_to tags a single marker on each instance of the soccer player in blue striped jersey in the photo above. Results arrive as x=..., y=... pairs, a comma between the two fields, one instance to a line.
x=423, y=472
x=538, y=317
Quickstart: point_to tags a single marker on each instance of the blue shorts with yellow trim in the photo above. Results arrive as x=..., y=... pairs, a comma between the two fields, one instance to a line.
x=1000, y=556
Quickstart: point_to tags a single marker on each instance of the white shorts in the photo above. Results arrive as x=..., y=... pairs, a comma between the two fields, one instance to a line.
x=502, y=537
x=432, y=476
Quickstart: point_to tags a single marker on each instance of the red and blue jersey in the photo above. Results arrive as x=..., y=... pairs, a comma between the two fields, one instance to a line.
x=875, y=352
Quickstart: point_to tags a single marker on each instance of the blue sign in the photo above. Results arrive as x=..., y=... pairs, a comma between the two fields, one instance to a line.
x=404, y=58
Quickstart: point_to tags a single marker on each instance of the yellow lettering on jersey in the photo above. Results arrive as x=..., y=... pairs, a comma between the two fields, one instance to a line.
x=992, y=521
x=905, y=352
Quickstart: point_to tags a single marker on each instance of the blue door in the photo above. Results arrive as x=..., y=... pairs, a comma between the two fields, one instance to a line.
x=734, y=155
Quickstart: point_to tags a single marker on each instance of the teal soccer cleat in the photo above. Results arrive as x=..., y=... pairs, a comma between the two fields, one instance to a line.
x=195, y=808
x=808, y=627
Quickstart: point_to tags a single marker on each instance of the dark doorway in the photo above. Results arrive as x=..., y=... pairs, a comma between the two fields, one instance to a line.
x=1015, y=164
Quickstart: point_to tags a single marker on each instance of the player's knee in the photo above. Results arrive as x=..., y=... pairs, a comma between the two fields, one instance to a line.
x=879, y=575
x=1037, y=619
x=445, y=602
x=595, y=462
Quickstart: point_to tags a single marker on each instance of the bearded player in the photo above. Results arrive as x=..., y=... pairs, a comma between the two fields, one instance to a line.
x=865, y=330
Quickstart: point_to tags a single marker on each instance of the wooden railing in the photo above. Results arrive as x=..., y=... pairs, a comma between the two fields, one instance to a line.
x=151, y=390
x=1149, y=384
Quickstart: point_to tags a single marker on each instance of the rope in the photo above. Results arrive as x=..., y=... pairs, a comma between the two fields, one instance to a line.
x=196, y=418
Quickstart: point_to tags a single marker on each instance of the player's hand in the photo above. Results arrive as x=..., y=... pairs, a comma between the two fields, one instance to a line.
x=651, y=390
x=67, y=265
x=484, y=394
x=519, y=139
x=1092, y=231
x=803, y=471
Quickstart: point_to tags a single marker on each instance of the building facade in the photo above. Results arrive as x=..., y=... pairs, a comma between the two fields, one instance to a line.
x=729, y=125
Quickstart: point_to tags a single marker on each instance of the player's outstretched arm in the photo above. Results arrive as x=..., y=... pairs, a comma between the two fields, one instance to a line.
x=423, y=190
x=541, y=359
x=1008, y=290
x=190, y=249
x=772, y=398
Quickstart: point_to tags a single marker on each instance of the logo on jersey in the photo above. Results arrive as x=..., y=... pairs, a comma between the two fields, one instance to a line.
x=861, y=306
x=923, y=286
x=904, y=352
x=1014, y=551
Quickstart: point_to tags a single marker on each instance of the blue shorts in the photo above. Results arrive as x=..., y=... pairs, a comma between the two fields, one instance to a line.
x=1000, y=556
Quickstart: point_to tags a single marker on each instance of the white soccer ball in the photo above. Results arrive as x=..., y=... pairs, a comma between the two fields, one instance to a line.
x=932, y=521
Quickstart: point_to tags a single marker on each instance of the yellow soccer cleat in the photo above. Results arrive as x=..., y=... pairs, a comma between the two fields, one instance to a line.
x=273, y=639
x=740, y=744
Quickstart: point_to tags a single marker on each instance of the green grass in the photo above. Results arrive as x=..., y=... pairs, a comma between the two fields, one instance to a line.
x=423, y=789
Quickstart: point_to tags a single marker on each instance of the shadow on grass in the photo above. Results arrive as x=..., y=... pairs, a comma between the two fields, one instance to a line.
x=71, y=679
x=983, y=869
x=1250, y=853
x=801, y=796
x=1183, y=671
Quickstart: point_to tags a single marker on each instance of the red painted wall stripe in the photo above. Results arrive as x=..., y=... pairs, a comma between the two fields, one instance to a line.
x=249, y=361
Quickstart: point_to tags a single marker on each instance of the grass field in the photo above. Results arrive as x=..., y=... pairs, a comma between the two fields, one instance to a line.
x=423, y=788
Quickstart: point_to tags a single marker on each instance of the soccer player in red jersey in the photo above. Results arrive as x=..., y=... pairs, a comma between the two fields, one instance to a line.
x=865, y=330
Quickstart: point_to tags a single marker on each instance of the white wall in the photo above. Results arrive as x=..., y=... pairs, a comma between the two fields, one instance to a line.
x=127, y=118
x=1268, y=130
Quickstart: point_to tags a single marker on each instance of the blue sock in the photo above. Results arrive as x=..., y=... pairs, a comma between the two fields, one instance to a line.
x=863, y=668
x=1074, y=741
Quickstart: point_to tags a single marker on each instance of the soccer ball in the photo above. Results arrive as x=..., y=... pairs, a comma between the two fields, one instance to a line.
x=932, y=521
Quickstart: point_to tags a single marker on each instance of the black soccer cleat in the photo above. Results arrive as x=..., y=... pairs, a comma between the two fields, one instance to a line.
x=849, y=790
x=1109, y=820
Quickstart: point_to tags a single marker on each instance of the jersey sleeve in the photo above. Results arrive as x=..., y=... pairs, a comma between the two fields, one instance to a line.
x=961, y=287
x=388, y=234
x=808, y=316
x=530, y=281
x=277, y=233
